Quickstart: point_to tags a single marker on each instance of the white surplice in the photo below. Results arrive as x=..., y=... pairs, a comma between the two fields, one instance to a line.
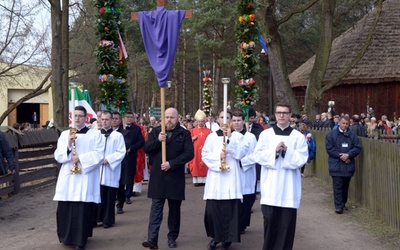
x=248, y=172
x=280, y=176
x=83, y=187
x=222, y=185
x=114, y=153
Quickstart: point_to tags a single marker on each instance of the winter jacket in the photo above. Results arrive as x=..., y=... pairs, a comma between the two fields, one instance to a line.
x=338, y=142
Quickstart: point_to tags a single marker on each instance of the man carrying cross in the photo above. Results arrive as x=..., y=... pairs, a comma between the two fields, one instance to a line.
x=160, y=32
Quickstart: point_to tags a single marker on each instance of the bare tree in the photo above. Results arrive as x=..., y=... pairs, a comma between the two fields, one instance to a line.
x=56, y=63
x=22, y=45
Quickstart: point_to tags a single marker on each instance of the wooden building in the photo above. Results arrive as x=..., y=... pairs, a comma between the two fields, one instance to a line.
x=15, y=83
x=375, y=79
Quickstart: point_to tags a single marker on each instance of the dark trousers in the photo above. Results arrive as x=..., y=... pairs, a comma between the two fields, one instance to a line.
x=106, y=209
x=302, y=168
x=156, y=217
x=121, y=196
x=279, y=227
x=245, y=210
x=129, y=186
x=340, y=190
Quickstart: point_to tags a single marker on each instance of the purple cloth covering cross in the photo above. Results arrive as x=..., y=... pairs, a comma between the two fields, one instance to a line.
x=160, y=33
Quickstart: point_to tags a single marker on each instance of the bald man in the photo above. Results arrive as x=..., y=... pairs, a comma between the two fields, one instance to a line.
x=167, y=180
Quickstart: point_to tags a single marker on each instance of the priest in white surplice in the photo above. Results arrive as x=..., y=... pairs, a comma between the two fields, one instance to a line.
x=281, y=151
x=78, y=194
x=222, y=192
x=110, y=170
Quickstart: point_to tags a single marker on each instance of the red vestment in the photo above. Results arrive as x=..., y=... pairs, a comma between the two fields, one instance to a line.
x=141, y=157
x=196, y=166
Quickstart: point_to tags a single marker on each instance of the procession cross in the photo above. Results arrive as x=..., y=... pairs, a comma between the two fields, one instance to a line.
x=135, y=16
x=160, y=3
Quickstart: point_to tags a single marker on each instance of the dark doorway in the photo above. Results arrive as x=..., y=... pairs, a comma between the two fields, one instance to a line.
x=25, y=113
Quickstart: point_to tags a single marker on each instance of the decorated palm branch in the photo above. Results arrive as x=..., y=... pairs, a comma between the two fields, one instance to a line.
x=207, y=93
x=111, y=57
x=247, y=58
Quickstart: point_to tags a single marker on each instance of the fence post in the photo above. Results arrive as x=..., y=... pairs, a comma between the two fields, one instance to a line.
x=17, y=183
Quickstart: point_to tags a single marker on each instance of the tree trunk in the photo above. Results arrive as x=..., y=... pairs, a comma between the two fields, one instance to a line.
x=56, y=66
x=65, y=60
x=282, y=86
x=313, y=97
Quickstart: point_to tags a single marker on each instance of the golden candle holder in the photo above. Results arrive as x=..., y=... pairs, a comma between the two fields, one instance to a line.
x=75, y=169
x=224, y=166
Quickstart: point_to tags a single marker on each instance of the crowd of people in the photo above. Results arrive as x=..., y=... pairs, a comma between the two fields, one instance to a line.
x=232, y=160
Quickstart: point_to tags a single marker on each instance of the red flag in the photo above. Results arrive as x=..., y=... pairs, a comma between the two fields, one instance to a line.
x=122, y=50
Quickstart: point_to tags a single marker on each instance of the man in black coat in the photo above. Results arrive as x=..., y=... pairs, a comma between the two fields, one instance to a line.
x=357, y=127
x=167, y=179
x=137, y=142
x=128, y=166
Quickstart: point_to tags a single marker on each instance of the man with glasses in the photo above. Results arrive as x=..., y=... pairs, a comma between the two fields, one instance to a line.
x=281, y=151
x=78, y=193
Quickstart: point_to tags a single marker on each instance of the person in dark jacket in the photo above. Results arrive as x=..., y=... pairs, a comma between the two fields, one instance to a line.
x=167, y=179
x=342, y=146
x=357, y=127
x=5, y=152
x=137, y=142
x=133, y=141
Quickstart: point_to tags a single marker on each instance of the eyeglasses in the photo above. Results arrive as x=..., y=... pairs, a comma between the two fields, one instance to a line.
x=79, y=116
x=282, y=113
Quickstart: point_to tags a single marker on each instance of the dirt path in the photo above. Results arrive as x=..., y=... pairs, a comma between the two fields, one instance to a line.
x=27, y=221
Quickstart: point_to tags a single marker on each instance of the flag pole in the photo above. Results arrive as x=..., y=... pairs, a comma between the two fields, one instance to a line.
x=163, y=143
x=72, y=88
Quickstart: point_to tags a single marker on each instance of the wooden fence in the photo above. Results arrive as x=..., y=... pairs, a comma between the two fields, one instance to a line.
x=376, y=183
x=34, y=158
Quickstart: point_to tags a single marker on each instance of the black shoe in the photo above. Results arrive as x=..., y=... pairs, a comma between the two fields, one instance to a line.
x=212, y=245
x=119, y=210
x=106, y=225
x=172, y=244
x=243, y=231
x=79, y=248
x=339, y=211
x=226, y=245
x=345, y=208
x=196, y=185
x=150, y=244
x=128, y=201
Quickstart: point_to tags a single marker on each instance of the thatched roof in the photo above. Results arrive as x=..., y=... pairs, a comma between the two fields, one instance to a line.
x=381, y=62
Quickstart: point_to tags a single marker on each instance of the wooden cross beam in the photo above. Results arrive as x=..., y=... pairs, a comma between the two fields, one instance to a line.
x=160, y=3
